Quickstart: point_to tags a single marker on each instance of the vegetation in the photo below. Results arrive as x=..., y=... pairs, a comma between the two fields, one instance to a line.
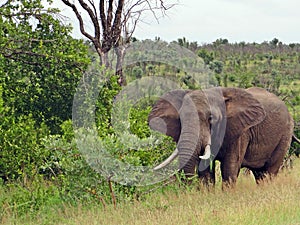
x=270, y=203
x=44, y=176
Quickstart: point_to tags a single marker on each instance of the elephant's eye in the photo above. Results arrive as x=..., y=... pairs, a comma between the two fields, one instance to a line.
x=210, y=118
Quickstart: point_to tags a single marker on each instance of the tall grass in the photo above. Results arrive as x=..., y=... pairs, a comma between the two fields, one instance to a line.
x=276, y=202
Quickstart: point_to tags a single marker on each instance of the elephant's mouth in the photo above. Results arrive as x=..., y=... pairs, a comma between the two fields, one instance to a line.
x=174, y=155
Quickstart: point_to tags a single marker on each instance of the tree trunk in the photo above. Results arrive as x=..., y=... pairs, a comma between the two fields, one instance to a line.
x=120, y=52
x=104, y=60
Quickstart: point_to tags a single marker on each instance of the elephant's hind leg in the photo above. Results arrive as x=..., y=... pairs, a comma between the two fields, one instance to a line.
x=273, y=165
x=275, y=162
x=260, y=175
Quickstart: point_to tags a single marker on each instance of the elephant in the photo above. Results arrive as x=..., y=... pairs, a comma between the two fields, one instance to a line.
x=238, y=127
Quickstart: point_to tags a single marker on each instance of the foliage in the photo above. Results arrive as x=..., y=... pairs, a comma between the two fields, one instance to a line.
x=41, y=63
x=138, y=122
x=206, y=56
x=216, y=66
x=61, y=175
x=138, y=119
x=67, y=169
x=21, y=151
x=137, y=72
x=104, y=104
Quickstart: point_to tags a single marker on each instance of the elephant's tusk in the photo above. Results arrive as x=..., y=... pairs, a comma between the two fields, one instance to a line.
x=207, y=153
x=168, y=160
x=295, y=139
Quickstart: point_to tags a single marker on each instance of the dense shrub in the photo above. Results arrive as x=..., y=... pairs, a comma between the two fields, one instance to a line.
x=104, y=104
x=21, y=151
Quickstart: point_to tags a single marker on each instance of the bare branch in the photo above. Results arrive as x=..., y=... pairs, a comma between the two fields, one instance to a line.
x=93, y=18
x=113, y=197
x=103, y=16
x=80, y=20
x=16, y=54
x=116, y=28
x=152, y=10
x=162, y=4
x=94, y=7
x=109, y=14
x=21, y=52
x=135, y=19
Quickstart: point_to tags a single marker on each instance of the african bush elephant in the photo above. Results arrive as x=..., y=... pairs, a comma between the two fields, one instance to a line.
x=249, y=128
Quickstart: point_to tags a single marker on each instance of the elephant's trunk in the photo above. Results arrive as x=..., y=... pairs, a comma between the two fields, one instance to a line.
x=188, y=157
x=189, y=151
x=194, y=137
x=174, y=155
x=188, y=143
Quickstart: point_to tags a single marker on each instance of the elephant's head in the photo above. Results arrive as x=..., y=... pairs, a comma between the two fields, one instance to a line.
x=202, y=121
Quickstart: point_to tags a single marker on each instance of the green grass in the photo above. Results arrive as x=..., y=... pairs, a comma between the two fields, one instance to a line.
x=276, y=202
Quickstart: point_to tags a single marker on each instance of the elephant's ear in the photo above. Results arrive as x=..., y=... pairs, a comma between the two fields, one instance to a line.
x=243, y=111
x=164, y=116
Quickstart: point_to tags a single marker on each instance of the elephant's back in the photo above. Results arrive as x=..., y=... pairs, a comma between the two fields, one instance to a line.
x=276, y=111
x=269, y=101
x=263, y=95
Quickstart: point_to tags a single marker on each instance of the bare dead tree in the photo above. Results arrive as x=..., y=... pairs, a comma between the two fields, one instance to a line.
x=114, y=22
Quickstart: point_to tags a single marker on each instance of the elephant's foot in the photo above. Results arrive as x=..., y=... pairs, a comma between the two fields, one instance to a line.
x=229, y=184
x=262, y=177
x=207, y=180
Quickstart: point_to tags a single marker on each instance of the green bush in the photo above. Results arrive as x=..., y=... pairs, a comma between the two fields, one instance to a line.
x=68, y=170
x=138, y=121
x=104, y=105
x=21, y=152
x=18, y=200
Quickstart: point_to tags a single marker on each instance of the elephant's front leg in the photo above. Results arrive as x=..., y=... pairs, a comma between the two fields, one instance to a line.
x=208, y=177
x=230, y=171
x=232, y=161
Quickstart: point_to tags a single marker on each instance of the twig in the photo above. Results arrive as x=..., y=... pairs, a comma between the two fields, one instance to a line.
x=98, y=197
x=113, y=197
x=158, y=187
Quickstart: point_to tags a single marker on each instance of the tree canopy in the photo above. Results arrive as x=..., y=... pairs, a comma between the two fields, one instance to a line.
x=40, y=62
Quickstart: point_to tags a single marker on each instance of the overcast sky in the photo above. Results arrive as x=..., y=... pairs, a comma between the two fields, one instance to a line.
x=236, y=20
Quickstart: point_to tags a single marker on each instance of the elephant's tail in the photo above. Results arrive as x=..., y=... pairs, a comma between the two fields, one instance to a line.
x=295, y=139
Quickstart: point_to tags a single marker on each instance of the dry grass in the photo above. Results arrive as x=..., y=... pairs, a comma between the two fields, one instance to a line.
x=277, y=202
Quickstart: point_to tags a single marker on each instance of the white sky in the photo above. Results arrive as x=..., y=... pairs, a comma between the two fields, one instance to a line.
x=236, y=20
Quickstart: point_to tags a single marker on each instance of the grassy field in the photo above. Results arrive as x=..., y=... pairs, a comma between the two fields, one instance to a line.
x=277, y=202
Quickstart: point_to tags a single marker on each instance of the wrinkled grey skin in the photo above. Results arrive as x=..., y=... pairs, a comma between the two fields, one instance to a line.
x=254, y=129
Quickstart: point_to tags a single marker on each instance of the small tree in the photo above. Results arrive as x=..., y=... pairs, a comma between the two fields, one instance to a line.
x=114, y=22
x=216, y=66
x=40, y=62
x=206, y=56
x=274, y=42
